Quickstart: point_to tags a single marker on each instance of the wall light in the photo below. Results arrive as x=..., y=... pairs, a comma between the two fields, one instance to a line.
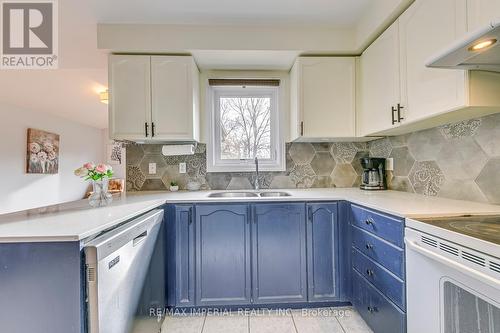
x=104, y=96
x=482, y=45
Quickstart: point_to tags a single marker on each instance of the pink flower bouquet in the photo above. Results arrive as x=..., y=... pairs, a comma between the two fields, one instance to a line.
x=90, y=171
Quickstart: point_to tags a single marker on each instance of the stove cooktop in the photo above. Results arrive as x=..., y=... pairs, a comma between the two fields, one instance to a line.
x=486, y=228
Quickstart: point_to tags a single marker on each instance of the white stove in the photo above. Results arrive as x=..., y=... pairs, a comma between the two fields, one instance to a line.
x=453, y=274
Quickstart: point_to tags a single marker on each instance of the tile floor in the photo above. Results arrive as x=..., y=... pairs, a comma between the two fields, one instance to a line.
x=331, y=320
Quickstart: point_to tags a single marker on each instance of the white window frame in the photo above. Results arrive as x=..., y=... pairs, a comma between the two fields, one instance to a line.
x=214, y=162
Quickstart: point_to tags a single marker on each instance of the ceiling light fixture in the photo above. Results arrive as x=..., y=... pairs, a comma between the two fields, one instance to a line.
x=482, y=45
x=104, y=96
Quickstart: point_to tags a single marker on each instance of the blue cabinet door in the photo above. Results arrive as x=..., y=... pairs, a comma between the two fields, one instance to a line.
x=184, y=256
x=322, y=252
x=222, y=255
x=279, y=253
x=376, y=309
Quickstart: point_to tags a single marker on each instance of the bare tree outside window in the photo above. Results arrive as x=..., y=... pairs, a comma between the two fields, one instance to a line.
x=245, y=127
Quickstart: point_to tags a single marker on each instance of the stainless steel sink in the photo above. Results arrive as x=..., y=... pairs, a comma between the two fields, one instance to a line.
x=233, y=195
x=274, y=194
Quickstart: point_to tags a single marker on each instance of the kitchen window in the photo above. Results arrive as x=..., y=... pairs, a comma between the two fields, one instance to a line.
x=244, y=124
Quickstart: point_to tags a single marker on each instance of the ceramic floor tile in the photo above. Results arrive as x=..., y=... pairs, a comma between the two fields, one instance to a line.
x=146, y=325
x=183, y=324
x=353, y=323
x=317, y=321
x=228, y=323
x=274, y=323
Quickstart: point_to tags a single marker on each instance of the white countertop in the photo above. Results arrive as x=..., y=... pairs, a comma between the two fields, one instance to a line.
x=76, y=221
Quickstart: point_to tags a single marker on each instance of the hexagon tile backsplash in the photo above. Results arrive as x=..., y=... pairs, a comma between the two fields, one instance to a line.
x=459, y=161
x=307, y=165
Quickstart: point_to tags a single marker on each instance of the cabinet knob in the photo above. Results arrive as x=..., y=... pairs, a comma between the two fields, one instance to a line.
x=146, y=126
x=369, y=272
x=369, y=221
x=369, y=246
x=372, y=309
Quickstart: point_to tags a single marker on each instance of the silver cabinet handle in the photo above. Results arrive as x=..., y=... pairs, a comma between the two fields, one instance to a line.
x=399, y=113
x=393, y=111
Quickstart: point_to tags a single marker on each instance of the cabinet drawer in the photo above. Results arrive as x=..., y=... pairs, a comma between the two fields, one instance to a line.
x=388, y=284
x=379, y=312
x=384, y=253
x=384, y=226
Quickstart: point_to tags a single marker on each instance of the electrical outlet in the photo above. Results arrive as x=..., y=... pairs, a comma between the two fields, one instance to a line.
x=182, y=167
x=389, y=164
x=152, y=168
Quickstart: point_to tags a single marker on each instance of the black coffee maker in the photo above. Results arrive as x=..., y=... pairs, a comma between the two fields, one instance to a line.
x=374, y=177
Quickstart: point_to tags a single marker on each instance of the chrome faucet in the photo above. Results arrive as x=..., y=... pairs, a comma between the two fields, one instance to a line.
x=256, y=182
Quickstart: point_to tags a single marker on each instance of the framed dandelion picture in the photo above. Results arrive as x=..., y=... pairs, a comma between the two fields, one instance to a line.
x=42, y=152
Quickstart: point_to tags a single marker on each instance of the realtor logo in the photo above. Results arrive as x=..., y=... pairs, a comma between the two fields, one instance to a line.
x=29, y=34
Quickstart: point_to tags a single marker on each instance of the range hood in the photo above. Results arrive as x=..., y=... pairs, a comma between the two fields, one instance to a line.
x=479, y=50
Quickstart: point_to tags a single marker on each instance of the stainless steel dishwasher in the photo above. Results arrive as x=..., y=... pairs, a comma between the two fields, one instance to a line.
x=116, y=264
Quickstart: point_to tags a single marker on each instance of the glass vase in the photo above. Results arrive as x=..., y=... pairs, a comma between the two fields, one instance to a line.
x=100, y=196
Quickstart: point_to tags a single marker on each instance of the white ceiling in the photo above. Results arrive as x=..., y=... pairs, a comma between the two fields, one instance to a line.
x=72, y=90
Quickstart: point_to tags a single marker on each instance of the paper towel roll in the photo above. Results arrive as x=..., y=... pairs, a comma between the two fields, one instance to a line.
x=173, y=150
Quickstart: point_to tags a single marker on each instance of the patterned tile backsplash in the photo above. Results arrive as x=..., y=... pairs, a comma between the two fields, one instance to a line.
x=307, y=165
x=460, y=161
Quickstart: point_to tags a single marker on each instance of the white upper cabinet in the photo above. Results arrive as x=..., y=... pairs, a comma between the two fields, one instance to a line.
x=426, y=28
x=175, y=105
x=129, y=97
x=482, y=12
x=427, y=97
x=153, y=98
x=378, y=84
x=323, y=98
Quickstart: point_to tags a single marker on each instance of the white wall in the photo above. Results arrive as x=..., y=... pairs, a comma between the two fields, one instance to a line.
x=178, y=38
x=377, y=17
x=119, y=170
x=78, y=144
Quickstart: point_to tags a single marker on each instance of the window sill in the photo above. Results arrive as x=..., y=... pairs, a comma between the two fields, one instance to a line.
x=245, y=168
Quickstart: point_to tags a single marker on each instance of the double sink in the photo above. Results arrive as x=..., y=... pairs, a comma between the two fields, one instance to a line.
x=248, y=194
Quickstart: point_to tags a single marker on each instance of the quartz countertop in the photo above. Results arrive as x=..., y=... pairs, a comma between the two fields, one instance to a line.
x=76, y=221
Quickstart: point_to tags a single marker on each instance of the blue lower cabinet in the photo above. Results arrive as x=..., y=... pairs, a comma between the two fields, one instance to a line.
x=382, y=225
x=222, y=255
x=385, y=253
x=378, y=269
x=322, y=252
x=382, y=279
x=42, y=288
x=181, y=266
x=378, y=311
x=279, y=253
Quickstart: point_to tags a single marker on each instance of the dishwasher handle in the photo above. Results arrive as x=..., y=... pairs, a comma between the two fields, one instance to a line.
x=495, y=283
x=139, y=239
x=135, y=232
